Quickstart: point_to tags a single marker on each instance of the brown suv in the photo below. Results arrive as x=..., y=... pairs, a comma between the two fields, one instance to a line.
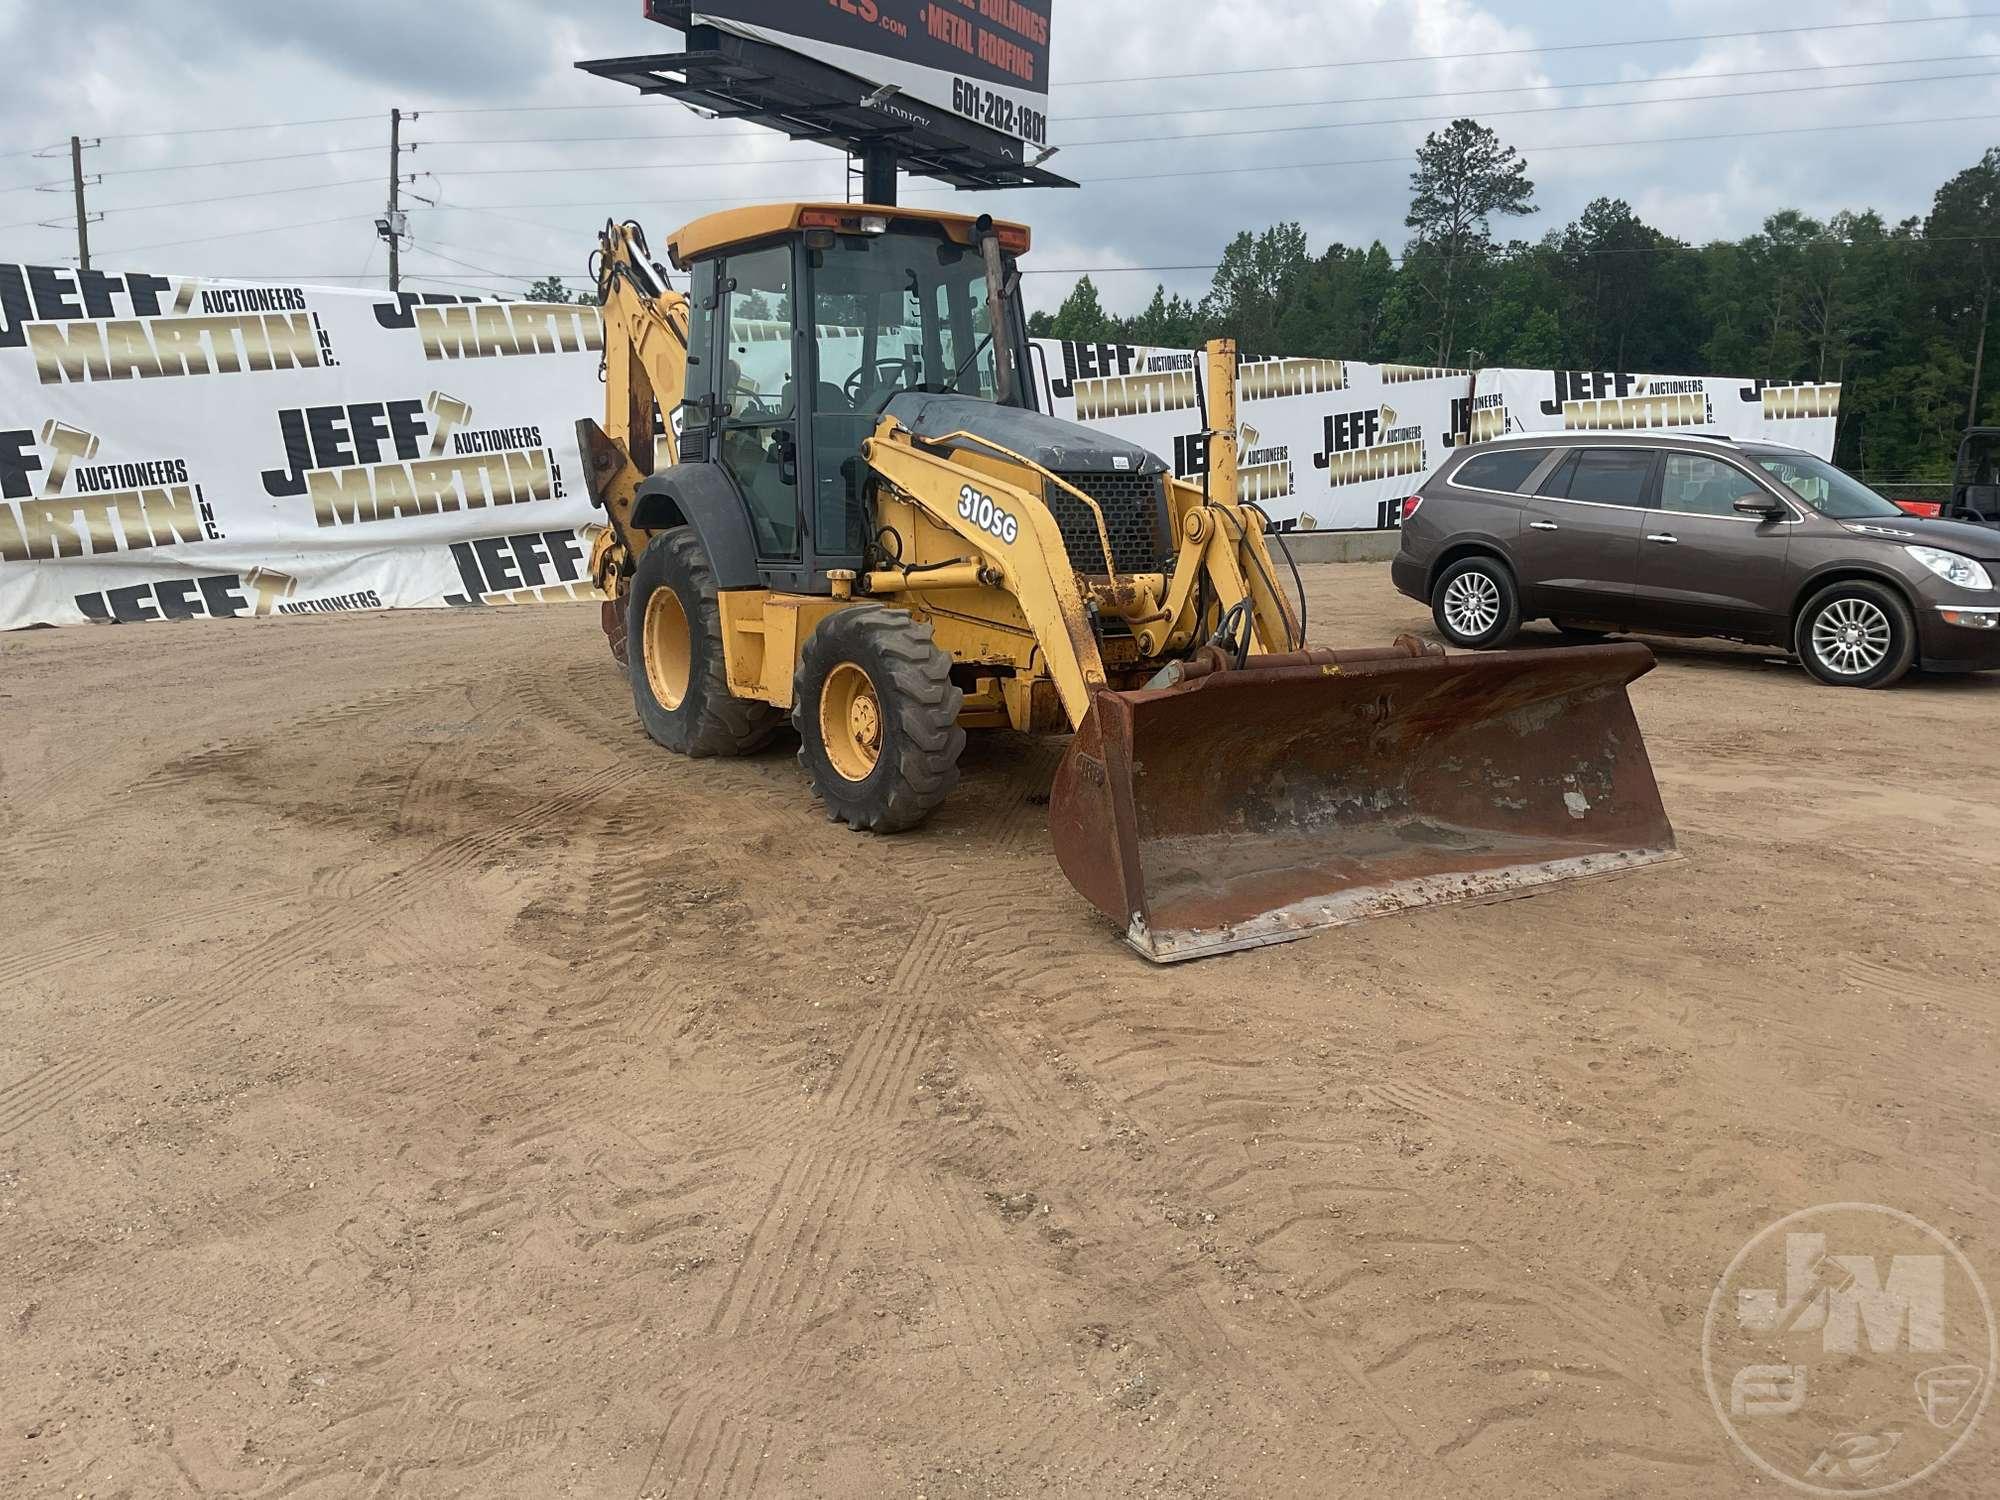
x=1678, y=535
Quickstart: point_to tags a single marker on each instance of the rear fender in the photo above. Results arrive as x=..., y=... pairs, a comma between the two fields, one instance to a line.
x=1460, y=548
x=701, y=496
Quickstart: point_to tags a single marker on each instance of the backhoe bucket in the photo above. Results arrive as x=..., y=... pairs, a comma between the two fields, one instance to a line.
x=1236, y=808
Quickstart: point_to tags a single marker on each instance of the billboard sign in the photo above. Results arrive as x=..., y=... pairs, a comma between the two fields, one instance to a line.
x=985, y=61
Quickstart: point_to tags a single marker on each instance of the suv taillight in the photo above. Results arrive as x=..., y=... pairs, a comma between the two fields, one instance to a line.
x=1410, y=506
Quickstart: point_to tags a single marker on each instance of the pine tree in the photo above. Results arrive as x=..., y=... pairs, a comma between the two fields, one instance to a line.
x=1464, y=178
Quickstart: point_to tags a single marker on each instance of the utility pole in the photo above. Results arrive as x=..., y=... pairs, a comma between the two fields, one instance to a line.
x=82, y=212
x=395, y=201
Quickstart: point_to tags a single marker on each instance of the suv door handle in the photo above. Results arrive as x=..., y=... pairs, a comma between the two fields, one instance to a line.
x=1663, y=536
x=1543, y=526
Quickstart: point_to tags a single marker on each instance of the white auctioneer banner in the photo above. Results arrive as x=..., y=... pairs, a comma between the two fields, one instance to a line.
x=1333, y=444
x=174, y=448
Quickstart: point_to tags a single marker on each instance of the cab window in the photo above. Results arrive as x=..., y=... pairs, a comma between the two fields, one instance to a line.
x=758, y=442
x=1828, y=490
x=1695, y=484
x=896, y=312
x=1506, y=470
x=1602, y=476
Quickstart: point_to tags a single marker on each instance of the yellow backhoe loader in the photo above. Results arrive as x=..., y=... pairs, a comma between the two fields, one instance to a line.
x=853, y=515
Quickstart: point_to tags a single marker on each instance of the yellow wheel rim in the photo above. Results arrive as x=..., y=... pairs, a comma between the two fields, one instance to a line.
x=669, y=648
x=850, y=722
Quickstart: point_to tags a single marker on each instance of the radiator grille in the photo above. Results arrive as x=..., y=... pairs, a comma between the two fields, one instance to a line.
x=1133, y=506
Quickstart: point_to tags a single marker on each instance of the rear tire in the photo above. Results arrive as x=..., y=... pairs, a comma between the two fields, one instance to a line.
x=877, y=717
x=1856, y=634
x=673, y=624
x=1476, y=604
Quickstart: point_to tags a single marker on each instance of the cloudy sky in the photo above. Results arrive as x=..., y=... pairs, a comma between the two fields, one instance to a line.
x=519, y=190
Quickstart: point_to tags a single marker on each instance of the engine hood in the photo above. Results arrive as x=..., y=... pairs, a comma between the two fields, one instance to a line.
x=1918, y=531
x=1064, y=447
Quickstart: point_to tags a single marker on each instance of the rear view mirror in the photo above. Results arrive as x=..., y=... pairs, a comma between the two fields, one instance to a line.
x=1757, y=503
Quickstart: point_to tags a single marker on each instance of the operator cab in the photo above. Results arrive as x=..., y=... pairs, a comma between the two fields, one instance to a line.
x=805, y=322
x=1975, y=487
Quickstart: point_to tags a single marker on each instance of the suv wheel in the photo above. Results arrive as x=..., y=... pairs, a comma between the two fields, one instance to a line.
x=1475, y=603
x=1856, y=634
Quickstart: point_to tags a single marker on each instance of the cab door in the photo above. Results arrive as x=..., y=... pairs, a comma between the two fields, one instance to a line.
x=1703, y=567
x=756, y=390
x=1578, y=550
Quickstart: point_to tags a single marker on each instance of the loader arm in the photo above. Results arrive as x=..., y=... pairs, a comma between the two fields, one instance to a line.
x=645, y=368
x=957, y=479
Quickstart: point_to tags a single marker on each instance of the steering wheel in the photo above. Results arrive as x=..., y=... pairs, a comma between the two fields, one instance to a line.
x=867, y=380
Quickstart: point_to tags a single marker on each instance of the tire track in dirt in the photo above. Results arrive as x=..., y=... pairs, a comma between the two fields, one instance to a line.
x=364, y=916
x=25, y=966
x=706, y=1451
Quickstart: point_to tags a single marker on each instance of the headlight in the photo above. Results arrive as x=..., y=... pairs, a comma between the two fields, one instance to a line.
x=1953, y=569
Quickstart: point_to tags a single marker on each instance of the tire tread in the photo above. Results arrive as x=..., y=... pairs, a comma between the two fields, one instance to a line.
x=913, y=682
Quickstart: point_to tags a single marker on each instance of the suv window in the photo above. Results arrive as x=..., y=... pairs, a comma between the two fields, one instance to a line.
x=1698, y=485
x=1505, y=470
x=1602, y=476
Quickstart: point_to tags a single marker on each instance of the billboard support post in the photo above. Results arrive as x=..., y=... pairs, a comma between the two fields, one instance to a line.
x=878, y=175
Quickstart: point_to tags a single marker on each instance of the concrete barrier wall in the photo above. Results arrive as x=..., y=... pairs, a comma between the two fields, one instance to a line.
x=1342, y=546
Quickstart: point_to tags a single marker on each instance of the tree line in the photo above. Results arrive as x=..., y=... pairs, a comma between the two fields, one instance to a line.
x=1896, y=312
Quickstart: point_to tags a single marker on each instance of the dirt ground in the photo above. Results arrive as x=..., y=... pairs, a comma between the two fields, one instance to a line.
x=413, y=1083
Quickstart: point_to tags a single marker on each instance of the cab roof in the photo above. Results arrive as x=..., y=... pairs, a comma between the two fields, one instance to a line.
x=716, y=233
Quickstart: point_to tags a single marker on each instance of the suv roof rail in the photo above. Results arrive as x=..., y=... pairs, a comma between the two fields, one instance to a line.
x=1647, y=435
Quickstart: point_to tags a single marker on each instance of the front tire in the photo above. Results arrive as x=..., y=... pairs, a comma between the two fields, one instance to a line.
x=1856, y=634
x=877, y=717
x=1476, y=605
x=673, y=623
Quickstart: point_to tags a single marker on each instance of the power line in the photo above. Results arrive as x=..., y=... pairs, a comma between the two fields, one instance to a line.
x=1397, y=160
x=237, y=161
x=559, y=140
x=570, y=169
x=437, y=254
x=1539, y=109
x=1401, y=159
x=1205, y=135
x=241, y=234
x=1490, y=52
x=158, y=135
x=1532, y=88
x=1231, y=109
x=309, y=187
x=1564, y=47
x=1527, y=151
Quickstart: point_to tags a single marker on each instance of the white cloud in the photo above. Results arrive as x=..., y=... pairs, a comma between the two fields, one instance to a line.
x=121, y=67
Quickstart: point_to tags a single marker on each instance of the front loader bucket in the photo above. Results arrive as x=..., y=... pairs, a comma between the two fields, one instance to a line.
x=1253, y=806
